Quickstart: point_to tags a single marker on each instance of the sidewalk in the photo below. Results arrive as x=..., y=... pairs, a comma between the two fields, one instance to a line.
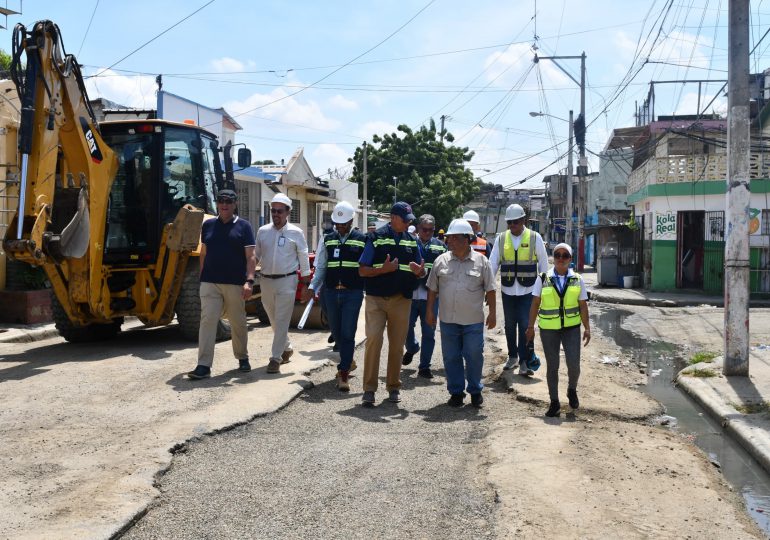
x=739, y=404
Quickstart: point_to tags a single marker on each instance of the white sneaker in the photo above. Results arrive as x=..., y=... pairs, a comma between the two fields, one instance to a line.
x=512, y=363
x=525, y=371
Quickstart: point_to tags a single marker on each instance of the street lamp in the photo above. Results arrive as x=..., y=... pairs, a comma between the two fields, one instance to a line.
x=568, y=231
x=395, y=189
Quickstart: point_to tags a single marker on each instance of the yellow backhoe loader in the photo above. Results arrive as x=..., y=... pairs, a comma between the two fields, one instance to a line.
x=111, y=212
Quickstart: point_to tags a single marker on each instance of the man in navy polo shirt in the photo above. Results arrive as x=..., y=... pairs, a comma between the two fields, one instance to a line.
x=228, y=264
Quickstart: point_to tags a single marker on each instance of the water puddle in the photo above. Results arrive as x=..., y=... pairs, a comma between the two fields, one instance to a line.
x=662, y=361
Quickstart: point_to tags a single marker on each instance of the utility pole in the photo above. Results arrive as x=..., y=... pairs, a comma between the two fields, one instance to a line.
x=738, y=196
x=443, y=117
x=568, y=222
x=395, y=189
x=582, y=161
x=366, y=201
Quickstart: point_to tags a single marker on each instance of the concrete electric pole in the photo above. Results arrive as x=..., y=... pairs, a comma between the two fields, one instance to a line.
x=570, y=204
x=738, y=196
x=366, y=201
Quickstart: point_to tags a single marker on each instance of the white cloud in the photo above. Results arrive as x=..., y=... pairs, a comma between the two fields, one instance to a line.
x=340, y=102
x=227, y=64
x=376, y=126
x=329, y=156
x=277, y=105
x=129, y=90
x=689, y=104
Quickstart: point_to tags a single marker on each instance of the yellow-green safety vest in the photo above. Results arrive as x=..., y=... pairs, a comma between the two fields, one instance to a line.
x=518, y=264
x=559, y=311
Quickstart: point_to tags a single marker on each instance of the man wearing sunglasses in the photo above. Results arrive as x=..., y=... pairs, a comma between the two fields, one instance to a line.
x=282, y=250
x=431, y=248
x=227, y=265
x=520, y=255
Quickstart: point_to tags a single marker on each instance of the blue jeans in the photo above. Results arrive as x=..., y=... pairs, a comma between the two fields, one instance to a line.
x=342, y=308
x=463, y=342
x=428, y=339
x=516, y=311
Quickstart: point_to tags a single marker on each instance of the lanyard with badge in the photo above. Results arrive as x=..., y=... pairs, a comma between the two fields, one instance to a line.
x=281, y=241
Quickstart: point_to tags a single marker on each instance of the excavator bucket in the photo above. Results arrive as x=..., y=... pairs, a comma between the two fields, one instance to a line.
x=75, y=236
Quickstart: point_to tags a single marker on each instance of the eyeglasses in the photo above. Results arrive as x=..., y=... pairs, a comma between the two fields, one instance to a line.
x=514, y=221
x=225, y=200
x=562, y=255
x=277, y=210
x=427, y=229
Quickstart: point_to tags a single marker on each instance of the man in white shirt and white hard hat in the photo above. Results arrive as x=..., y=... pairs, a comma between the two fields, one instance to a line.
x=520, y=255
x=282, y=251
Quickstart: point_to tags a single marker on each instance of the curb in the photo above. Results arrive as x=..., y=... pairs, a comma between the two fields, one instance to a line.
x=19, y=335
x=754, y=439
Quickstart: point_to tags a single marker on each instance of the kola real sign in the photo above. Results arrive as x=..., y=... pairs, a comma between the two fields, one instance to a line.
x=665, y=226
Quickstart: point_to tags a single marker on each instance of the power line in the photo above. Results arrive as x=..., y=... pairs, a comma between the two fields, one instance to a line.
x=89, y=27
x=142, y=46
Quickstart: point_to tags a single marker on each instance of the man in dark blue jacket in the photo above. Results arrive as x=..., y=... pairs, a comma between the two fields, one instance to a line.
x=391, y=264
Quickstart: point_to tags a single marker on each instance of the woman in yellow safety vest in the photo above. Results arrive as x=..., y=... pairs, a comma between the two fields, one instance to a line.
x=560, y=304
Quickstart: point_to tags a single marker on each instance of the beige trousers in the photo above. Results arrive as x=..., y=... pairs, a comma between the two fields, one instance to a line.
x=382, y=311
x=278, y=300
x=220, y=300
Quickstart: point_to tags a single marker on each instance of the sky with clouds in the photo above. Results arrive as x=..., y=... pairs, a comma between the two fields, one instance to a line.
x=326, y=76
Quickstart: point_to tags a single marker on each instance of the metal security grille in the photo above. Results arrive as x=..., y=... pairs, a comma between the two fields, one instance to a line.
x=714, y=251
x=295, y=212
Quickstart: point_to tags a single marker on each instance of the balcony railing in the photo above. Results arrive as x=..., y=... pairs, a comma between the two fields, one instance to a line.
x=697, y=168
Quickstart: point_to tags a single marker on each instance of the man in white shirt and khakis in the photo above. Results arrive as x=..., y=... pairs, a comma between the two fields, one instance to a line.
x=282, y=250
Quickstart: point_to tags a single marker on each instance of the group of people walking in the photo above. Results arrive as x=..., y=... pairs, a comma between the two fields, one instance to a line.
x=398, y=277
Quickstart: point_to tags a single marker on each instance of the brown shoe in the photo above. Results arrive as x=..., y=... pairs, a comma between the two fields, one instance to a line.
x=342, y=381
x=353, y=365
x=286, y=356
x=274, y=366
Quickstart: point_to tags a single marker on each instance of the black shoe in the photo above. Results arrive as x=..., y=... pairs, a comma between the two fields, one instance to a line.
x=425, y=373
x=243, y=365
x=477, y=400
x=330, y=339
x=200, y=372
x=336, y=348
x=456, y=400
x=554, y=409
x=407, y=359
x=573, y=399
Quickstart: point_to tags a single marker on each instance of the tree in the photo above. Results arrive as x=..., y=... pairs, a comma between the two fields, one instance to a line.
x=5, y=64
x=417, y=167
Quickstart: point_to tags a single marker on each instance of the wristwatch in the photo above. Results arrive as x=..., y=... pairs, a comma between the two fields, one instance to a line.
x=250, y=281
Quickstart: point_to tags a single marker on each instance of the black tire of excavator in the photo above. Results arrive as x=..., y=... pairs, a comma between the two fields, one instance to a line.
x=81, y=334
x=188, y=306
x=259, y=310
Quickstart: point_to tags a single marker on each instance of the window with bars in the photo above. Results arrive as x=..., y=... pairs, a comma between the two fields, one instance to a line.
x=765, y=222
x=294, y=217
x=715, y=226
x=312, y=211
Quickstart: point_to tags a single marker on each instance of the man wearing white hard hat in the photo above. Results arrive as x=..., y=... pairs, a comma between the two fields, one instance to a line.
x=336, y=271
x=519, y=253
x=281, y=250
x=462, y=280
x=479, y=245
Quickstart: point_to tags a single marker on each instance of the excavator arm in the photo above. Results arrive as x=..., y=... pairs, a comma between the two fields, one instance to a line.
x=66, y=172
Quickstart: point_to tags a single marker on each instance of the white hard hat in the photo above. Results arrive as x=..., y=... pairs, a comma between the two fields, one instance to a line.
x=460, y=226
x=281, y=198
x=343, y=212
x=411, y=229
x=515, y=211
x=470, y=215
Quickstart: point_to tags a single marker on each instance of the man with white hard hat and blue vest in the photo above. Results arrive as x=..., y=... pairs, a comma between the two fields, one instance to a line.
x=520, y=255
x=336, y=271
x=282, y=250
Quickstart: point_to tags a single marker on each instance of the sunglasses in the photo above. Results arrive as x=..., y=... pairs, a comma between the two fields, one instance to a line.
x=225, y=200
x=562, y=255
x=514, y=221
x=277, y=210
x=426, y=229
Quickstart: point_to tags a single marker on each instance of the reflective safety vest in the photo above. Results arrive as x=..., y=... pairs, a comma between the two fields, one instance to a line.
x=342, y=269
x=430, y=253
x=559, y=310
x=518, y=264
x=479, y=245
x=401, y=246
